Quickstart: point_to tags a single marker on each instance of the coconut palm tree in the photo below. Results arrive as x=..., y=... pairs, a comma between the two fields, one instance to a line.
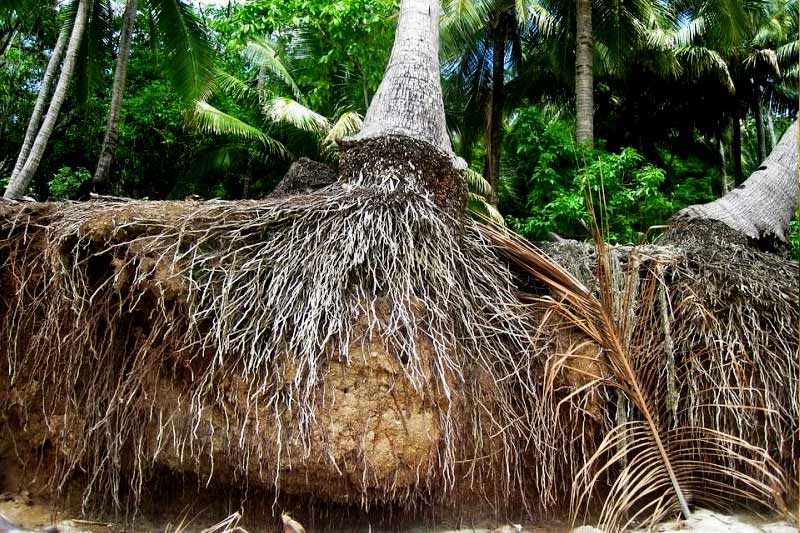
x=272, y=103
x=482, y=44
x=750, y=45
x=19, y=182
x=183, y=37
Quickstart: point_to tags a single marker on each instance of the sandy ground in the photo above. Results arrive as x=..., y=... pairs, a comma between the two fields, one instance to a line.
x=26, y=514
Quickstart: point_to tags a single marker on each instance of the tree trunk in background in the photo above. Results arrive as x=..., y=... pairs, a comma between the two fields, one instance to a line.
x=118, y=90
x=41, y=101
x=409, y=101
x=762, y=207
x=758, y=115
x=8, y=38
x=736, y=145
x=495, y=118
x=19, y=184
x=584, y=83
x=771, y=130
x=261, y=81
x=725, y=185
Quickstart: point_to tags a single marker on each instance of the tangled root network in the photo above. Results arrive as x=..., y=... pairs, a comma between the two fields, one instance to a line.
x=201, y=336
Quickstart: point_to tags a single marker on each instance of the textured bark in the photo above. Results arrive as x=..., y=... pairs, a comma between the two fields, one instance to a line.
x=118, y=90
x=408, y=101
x=41, y=101
x=495, y=126
x=20, y=182
x=584, y=83
x=758, y=115
x=773, y=140
x=762, y=207
x=8, y=38
x=736, y=146
x=723, y=166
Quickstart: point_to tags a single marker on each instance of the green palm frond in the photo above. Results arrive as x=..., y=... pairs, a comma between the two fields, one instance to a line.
x=347, y=125
x=478, y=190
x=94, y=50
x=700, y=60
x=233, y=86
x=209, y=119
x=263, y=53
x=788, y=52
x=184, y=39
x=476, y=183
x=764, y=60
x=287, y=111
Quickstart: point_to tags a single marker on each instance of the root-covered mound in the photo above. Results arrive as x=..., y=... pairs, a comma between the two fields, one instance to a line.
x=709, y=325
x=361, y=345
x=353, y=344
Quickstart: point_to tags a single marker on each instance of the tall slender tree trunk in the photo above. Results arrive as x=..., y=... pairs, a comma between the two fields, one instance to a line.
x=151, y=28
x=120, y=72
x=495, y=118
x=408, y=101
x=261, y=83
x=8, y=38
x=736, y=145
x=762, y=207
x=771, y=129
x=19, y=184
x=403, y=145
x=758, y=115
x=41, y=100
x=584, y=82
x=725, y=185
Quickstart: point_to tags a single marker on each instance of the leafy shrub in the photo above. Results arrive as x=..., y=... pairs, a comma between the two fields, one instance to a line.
x=549, y=178
x=66, y=182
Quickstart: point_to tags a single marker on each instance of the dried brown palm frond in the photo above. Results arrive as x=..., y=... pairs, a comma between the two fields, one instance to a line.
x=649, y=464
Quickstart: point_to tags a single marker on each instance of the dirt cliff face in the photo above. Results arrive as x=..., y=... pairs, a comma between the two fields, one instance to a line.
x=373, y=433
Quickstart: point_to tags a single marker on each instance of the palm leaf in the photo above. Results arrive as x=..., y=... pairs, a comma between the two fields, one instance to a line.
x=263, y=53
x=347, y=125
x=654, y=470
x=184, y=39
x=209, y=119
x=233, y=86
x=287, y=111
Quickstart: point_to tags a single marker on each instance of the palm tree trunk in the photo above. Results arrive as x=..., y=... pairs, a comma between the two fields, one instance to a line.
x=408, y=101
x=19, y=184
x=261, y=83
x=771, y=129
x=736, y=145
x=8, y=38
x=584, y=83
x=120, y=72
x=41, y=101
x=758, y=115
x=151, y=29
x=725, y=186
x=762, y=207
x=495, y=137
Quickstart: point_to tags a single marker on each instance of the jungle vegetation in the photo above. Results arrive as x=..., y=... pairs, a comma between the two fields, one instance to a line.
x=163, y=99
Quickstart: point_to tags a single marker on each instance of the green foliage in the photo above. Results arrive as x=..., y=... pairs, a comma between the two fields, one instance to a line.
x=551, y=178
x=338, y=50
x=66, y=182
x=794, y=237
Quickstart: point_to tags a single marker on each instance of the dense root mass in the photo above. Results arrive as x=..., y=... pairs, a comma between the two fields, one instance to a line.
x=360, y=345
x=357, y=345
x=709, y=328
